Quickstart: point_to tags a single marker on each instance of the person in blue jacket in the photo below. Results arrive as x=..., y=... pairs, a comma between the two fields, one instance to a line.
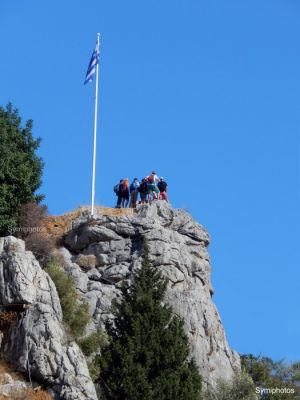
x=133, y=189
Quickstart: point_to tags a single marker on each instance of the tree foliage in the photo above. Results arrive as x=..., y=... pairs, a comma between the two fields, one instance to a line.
x=148, y=353
x=20, y=167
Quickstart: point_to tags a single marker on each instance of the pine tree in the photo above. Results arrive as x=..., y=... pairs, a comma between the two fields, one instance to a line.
x=20, y=167
x=148, y=353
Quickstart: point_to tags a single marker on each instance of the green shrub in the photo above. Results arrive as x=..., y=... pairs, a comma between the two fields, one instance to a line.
x=94, y=368
x=93, y=343
x=241, y=387
x=80, y=318
x=75, y=311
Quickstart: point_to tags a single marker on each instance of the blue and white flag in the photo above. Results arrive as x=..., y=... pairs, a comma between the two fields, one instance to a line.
x=92, y=65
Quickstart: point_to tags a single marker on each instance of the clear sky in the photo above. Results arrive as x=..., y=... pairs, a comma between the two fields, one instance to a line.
x=207, y=92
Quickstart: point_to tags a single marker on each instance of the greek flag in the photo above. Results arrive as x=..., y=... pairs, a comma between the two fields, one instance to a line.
x=92, y=65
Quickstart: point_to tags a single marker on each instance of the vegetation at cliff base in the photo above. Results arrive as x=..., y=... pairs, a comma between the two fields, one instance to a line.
x=268, y=374
x=20, y=167
x=240, y=387
x=148, y=352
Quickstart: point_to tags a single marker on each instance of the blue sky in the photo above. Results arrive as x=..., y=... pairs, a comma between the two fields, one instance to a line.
x=205, y=92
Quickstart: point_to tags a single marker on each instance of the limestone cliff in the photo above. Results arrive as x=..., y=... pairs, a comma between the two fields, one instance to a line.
x=100, y=253
x=104, y=251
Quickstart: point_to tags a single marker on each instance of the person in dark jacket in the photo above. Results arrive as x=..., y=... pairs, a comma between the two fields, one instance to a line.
x=143, y=190
x=117, y=190
x=133, y=189
x=162, y=186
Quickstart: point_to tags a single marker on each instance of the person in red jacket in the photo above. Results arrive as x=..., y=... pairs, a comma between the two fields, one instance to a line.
x=162, y=186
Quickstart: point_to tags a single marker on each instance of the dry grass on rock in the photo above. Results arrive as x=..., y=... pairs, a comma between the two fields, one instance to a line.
x=61, y=224
x=26, y=394
x=29, y=394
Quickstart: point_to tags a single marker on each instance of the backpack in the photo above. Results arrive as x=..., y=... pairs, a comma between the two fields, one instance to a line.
x=150, y=179
x=143, y=188
x=116, y=188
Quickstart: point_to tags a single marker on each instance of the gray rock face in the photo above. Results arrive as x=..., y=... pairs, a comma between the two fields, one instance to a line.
x=37, y=343
x=107, y=249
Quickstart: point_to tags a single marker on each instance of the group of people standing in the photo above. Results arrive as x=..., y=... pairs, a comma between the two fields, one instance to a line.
x=150, y=188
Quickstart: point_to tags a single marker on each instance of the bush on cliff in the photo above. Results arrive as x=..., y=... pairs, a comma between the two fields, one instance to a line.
x=20, y=167
x=75, y=311
x=33, y=230
x=93, y=343
x=31, y=219
x=42, y=245
x=148, y=352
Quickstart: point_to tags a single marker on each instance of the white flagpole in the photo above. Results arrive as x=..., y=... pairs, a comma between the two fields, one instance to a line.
x=95, y=130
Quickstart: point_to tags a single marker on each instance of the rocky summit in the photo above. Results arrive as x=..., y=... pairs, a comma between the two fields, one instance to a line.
x=100, y=253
